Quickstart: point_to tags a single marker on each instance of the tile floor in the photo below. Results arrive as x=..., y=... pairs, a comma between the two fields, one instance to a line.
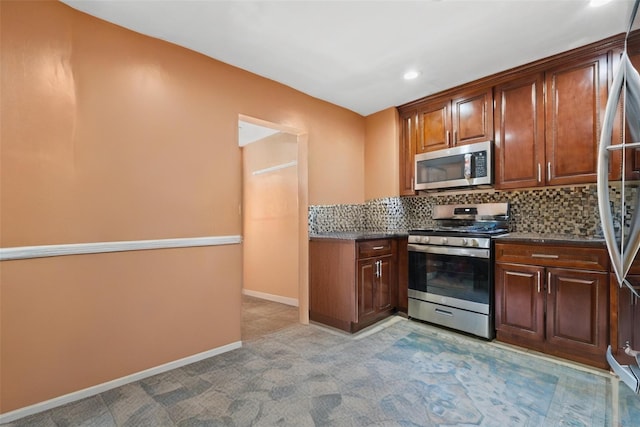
x=398, y=373
x=261, y=317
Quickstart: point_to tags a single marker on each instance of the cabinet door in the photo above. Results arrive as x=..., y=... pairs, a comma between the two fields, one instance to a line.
x=408, y=141
x=384, y=284
x=632, y=155
x=366, y=288
x=435, y=125
x=472, y=116
x=520, y=304
x=628, y=318
x=519, y=120
x=577, y=313
x=576, y=99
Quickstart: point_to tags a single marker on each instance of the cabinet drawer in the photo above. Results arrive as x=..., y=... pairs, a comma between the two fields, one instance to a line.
x=582, y=257
x=370, y=248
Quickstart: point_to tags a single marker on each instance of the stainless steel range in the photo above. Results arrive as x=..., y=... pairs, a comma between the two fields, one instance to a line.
x=451, y=267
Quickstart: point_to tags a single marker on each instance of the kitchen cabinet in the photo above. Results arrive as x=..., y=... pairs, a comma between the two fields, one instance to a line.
x=625, y=315
x=552, y=141
x=519, y=136
x=376, y=270
x=632, y=155
x=553, y=298
x=462, y=119
x=576, y=99
x=403, y=275
x=408, y=141
x=440, y=123
x=352, y=284
x=547, y=116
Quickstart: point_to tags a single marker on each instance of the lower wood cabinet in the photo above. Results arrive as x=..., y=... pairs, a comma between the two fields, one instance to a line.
x=352, y=284
x=548, y=301
x=625, y=314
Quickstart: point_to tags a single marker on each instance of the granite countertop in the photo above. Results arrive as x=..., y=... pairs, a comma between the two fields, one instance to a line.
x=551, y=238
x=358, y=235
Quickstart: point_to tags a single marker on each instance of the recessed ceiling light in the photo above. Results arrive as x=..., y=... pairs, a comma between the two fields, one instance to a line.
x=410, y=75
x=596, y=3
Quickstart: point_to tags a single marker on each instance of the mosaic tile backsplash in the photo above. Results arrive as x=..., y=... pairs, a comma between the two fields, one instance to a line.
x=567, y=210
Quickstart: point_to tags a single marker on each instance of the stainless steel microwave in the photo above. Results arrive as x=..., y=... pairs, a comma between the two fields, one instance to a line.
x=461, y=166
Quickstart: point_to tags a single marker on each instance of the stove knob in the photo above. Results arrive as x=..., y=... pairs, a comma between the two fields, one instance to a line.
x=474, y=242
x=465, y=242
x=425, y=239
x=445, y=240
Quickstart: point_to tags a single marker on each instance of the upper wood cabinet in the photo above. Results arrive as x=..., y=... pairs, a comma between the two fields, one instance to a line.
x=408, y=142
x=632, y=155
x=472, y=116
x=547, y=116
x=519, y=142
x=435, y=126
x=458, y=120
x=554, y=140
x=442, y=123
x=576, y=99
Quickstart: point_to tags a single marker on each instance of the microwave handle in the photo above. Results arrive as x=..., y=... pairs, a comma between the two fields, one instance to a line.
x=467, y=166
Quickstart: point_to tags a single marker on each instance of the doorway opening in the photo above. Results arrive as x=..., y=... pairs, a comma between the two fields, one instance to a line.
x=274, y=223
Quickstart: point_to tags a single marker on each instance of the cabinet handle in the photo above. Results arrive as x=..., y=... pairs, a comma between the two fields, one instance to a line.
x=548, y=170
x=549, y=283
x=380, y=269
x=412, y=187
x=539, y=172
x=448, y=138
x=538, y=282
x=547, y=256
x=455, y=137
x=377, y=248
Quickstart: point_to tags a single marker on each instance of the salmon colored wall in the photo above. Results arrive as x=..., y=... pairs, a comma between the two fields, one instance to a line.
x=382, y=162
x=108, y=135
x=74, y=321
x=270, y=204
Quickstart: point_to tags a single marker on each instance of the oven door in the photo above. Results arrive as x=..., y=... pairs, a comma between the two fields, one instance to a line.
x=452, y=276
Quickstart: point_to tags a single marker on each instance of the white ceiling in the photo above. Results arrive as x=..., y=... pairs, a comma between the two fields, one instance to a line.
x=354, y=53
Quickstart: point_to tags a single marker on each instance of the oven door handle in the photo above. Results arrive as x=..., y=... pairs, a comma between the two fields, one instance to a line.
x=448, y=250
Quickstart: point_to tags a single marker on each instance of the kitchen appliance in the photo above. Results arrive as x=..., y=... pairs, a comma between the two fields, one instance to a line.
x=460, y=166
x=451, y=267
x=623, y=245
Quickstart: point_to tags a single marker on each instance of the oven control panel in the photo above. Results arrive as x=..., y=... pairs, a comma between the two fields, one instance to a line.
x=471, y=242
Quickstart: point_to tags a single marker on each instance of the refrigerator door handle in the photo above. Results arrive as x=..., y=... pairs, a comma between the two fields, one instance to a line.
x=622, y=254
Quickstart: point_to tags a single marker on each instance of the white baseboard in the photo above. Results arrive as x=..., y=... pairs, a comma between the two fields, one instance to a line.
x=271, y=297
x=100, y=388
